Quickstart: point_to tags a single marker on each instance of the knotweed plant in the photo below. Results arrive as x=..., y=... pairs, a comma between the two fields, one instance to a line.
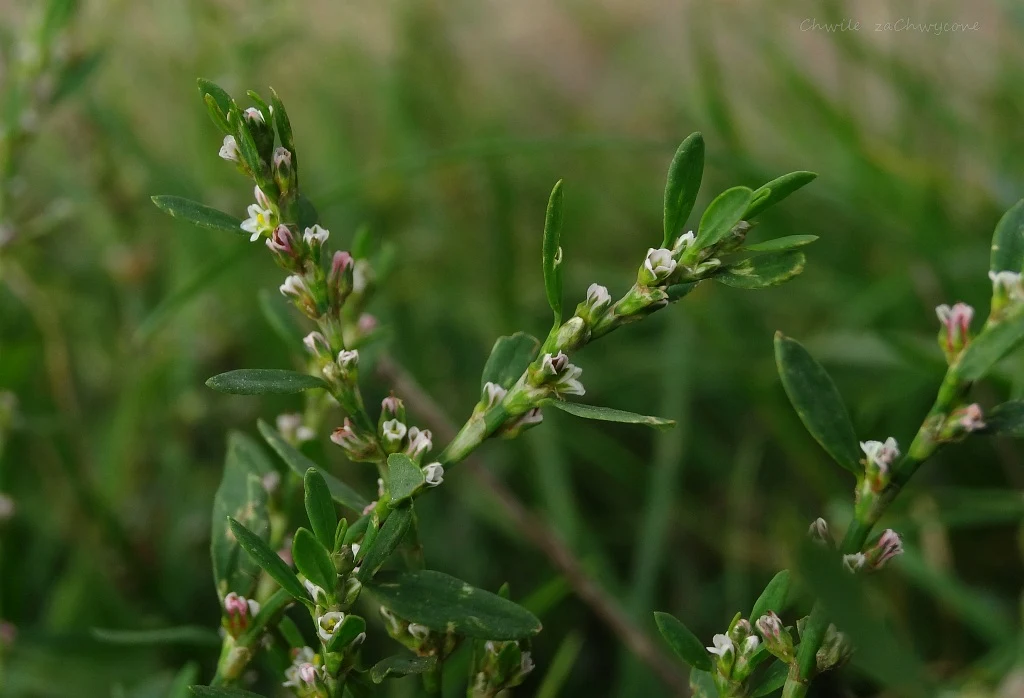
x=270, y=556
x=760, y=653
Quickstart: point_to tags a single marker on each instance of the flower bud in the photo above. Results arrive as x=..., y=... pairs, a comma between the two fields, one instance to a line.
x=316, y=593
x=527, y=420
x=879, y=457
x=392, y=407
x=493, y=394
x=315, y=238
x=284, y=172
x=682, y=243
x=777, y=639
x=835, y=650
x=560, y=376
x=366, y=324
x=854, y=562
x=956, y=328
x=283, y=242
x=596, y=305
x=339, y=278
x=392, y=433
x=818, y=532
x=295, y=287
x=229, y=149
x=238, y=611
x=1007, y=290
x=317, y=345
x=357, y=446
x=271, y=481
x=571, y=335
x=706, y=267
x=961, y=422
x=293, y=430
x=657, y=267
x=888, y=546
x=348, y=365
x=419, y=444
x=262, y=133
x=433, y=474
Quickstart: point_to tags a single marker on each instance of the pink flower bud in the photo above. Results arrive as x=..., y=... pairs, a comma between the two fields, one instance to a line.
x=282, y=241
x=956, y=322
x=367, y=323
x=307, y=672
x=254, y=116
x=317, y=344
x=229, y=149
x=888, y=546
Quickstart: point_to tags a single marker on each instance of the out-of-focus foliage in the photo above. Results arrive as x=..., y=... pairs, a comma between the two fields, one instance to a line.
x=442, y=126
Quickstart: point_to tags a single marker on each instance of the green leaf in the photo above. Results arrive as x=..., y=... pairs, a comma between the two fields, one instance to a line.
x=553, y=252
x=264, y=381
x=248, y=149
x=269, y=561
x=386, y=542
x=681, y=185
x=357, y=530
x=682, y=641
x=401, y=665
x=1008, y=241
x=277, y=312
x=702, y=684
x=217, y=116
x=772, y=680
x=404, y=478
x=307, y=213
x=444, y=603
x=1006, y=419
x=220, y=96
x=720, y=216
x=350, y=629
x=313, y=560
x=212, y=692
x=509, y=358
x=607, y=414
x=186, y=677
x=788, y=242
x=320, y=508
x=777, y=190
x=989, y=347
x=817, y=402
x=75, y=74
x=241, y=495
x=197, y=214
x=300, y=463
x=282, y=124
x=770, y=269
x=188, y=635
x=773, y=598
x=679, y=291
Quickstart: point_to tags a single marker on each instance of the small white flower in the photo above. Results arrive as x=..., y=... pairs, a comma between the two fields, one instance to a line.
x=348, y=358
x=659, y=263
x=433, y=474
x=526, y=664
x=552, y=365
x=854, y=562
x=420, y=443
x=971, y=418
x=328, y=624
x=315, y=592
x=393, y=430
x=818, y=531
x=355, y=549
x=682, y=242
x=262, y=220
x=750, y=644
x=1007, y=282
x=255, y=115
x=493, y=394
x=598, y=299
x=229, y=149
x=307, y=673
x=881, y=454
x=294, y=286
x=304, y=433
x=254, y=607
x=420, y=632
x=316, y=343
x=315, y=236
x=361, y=275
x=722, y=645
x=568, y=383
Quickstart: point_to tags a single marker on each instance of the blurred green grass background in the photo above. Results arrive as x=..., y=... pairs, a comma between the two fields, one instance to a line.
x=442, y=126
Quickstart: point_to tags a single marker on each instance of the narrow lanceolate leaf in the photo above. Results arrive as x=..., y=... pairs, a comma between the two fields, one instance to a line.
x=1008, y=241
x=682, y=641
x=264, y=381
x=282, y=124
x=300, y=463
x=1006, y=419
x=401, y=665
x=817, y=402
x=702, y=684
x=190, y=635
x=773, y=598
x=444, y=603
x=607, y=414
x=553, y=252
x=776, y=190
x=509, y=357
x=269, y=561
x=772, y=680
x=788, y=242
x=217, y=116
x=721, y=215
x=990, y=347
x=681, y=185
x=249, y=151
x=386, y=542
x=241, y=495
x=214, y=692
x=404, y=479
x=197, y=214
x=220, y=96
x=313, y=560
x=320, y=508
x=769, y=269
